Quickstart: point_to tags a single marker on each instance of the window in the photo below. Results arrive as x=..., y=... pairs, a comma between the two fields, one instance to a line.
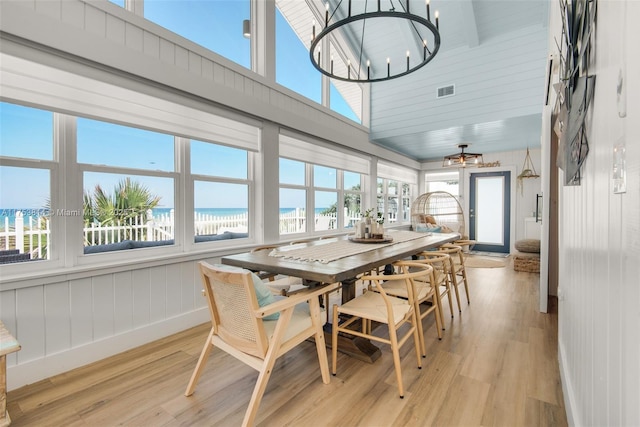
x=345, y=97
x=293, y=196
x=326, y=201
x=394, y=200
x=396, y=188
x=128, y=186
x=293, y=67
x=215, y=25
x=221, y=192
x=353, y=196
x=443, y=181
x=330, y=188
x=406, y=202
x=340, y=105
x=26, y=155
x=327, y=178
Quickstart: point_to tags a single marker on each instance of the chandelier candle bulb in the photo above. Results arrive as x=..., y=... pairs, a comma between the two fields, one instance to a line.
x=313, y=36
x=437, y=15
x=388, y=67
x=368, y=69
x=331, y=64
x=326, y=14
x=424, y=49
x=407, y=60
x=428, y=11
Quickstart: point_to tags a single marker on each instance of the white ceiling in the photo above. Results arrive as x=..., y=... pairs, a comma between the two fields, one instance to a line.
x=493, y=51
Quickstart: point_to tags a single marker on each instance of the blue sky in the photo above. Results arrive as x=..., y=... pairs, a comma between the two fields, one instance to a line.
x=215, y=24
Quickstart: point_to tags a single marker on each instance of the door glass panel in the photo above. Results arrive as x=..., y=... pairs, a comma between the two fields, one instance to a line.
x=489, y=210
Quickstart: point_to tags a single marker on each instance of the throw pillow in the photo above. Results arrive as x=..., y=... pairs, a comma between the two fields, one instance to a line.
x=263, y=294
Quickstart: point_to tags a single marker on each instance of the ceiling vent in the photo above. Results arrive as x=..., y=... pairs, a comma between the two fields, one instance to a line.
x=445, y=91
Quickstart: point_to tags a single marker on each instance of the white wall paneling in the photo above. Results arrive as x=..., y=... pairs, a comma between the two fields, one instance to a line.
x=599, y=240
x=63, y=325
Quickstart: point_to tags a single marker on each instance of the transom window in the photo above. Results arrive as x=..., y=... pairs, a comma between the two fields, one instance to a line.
x=215, y=25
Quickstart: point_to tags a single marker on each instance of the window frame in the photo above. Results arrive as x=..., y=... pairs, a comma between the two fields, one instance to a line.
x=310, y=204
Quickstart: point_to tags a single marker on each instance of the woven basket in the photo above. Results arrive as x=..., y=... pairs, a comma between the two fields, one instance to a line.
x=528, y=264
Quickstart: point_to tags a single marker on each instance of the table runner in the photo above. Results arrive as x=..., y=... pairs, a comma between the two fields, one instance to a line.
x=332, y=250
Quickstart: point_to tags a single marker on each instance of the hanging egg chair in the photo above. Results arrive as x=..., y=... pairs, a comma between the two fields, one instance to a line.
x=438, y=211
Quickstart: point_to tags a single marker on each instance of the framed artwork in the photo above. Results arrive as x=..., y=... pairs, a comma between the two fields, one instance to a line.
x=576, y=87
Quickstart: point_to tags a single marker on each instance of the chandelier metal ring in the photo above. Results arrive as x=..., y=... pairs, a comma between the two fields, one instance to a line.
x=428, y=54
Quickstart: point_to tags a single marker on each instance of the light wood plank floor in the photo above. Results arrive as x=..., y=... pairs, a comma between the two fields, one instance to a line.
x=496, y=365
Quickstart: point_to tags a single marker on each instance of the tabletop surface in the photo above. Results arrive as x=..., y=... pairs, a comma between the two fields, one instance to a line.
x=341, y=269
x=8, y=344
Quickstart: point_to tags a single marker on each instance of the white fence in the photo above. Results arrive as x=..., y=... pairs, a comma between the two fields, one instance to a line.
x=32, y=236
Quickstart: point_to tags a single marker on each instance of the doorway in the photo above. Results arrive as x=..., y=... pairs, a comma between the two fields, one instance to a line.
x=490, y=211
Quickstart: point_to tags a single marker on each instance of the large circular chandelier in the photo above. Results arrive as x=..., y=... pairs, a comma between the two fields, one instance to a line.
x=368, y=26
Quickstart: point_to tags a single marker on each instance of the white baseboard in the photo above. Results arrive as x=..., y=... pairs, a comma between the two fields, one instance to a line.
x=567, y=389
x=48, y=366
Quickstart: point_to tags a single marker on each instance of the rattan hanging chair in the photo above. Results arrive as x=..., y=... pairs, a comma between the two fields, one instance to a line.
x=438, y=208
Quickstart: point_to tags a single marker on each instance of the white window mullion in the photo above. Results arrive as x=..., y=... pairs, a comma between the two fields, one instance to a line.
x=67, y=192
x=183, y=198
x=311, y=199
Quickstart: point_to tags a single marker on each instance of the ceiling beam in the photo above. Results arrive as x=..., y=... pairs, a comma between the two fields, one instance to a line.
x=469, y=26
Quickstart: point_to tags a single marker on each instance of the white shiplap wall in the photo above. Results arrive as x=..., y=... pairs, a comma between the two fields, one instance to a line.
x=505, y=74
x=599, y=241
x=63, y=324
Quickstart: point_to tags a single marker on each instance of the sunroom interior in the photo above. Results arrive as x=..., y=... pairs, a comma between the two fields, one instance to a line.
x=104, y=94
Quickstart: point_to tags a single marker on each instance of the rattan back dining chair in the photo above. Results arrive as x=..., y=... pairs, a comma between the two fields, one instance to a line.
x=240, y=326
x=381, y=308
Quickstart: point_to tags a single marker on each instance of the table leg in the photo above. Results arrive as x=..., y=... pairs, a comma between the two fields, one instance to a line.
x=4, y=415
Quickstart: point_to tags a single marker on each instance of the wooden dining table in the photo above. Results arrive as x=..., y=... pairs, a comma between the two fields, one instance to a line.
x=287, y=260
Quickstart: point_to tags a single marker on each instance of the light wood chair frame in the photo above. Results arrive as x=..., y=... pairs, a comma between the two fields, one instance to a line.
x=395, y=341
x=441, y=263
x=259, y=351
x=458, y=272
x=426, y=289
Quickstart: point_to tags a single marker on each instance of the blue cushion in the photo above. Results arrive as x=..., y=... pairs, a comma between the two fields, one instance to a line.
x=125, y=244
x=94, y=249
x=144, y=244
x=212, y=237
x=436, y=229
x=235, y=235
x=263, y=294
